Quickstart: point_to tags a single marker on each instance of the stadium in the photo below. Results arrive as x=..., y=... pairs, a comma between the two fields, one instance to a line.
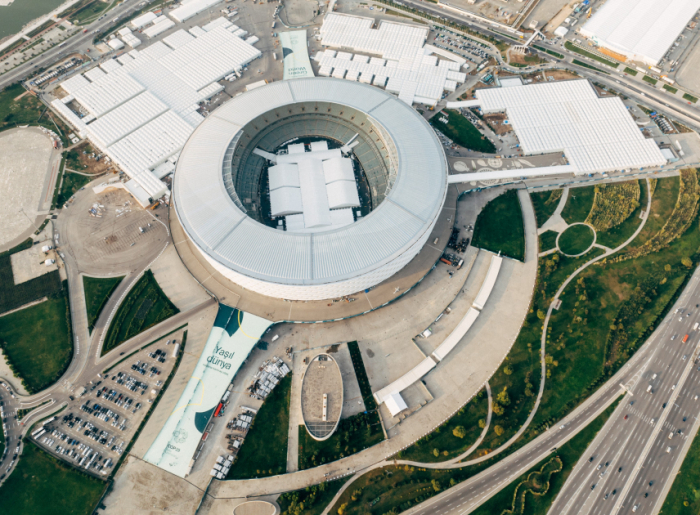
x=310, y=189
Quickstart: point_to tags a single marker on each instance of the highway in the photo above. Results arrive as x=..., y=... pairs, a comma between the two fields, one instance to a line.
x=78, y=43
x=619, y=443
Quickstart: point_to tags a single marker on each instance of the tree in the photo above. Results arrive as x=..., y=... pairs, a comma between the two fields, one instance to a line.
x=667, y=268
x=508, y=370
x=459, y=432
x=342, y=508
x=482, y=423
x=541, y=314
x=436, y=485
x=502, y=398
x=497, y=409
x=436, y=453
x=498, y=430
x=687, y=262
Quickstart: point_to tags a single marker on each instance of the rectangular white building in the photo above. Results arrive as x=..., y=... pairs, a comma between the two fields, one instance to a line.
x=642, y=30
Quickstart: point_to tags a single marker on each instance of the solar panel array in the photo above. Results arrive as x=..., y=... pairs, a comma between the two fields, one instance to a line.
x=596, y=134
x=144, y=103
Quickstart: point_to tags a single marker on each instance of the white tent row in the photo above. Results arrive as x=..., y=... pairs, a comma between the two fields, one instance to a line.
x=161, y=25
x=190, y=9
x=143, y=20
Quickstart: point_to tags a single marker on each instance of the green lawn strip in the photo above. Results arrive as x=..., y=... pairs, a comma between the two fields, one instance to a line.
x=630, y=71
x=648, y=79
x=21, y=413
x=520, y=373
x=264, y=451
x=684, y=496
x=548, y=486
x=545, y=203
x=27, y=111
x=98, y=290
x=91, y=12
x=550, y=52
x=311, y=500
x=670, y=89
x=689, y=97
x=573, y=48
x=586, y=65
x=43, y=484
x=548, y=240
x=462, y=131
x=616, y=236
x=72, y=182
x=144, y=306
x=13, y=296
x=499, y=226
x=579, y=204
x=662, y=203
x=352, y=435
x=37, y=341
x=361, y=375
x=576, y=239
x=41, y=28
x=160, y=338
x=444, y=439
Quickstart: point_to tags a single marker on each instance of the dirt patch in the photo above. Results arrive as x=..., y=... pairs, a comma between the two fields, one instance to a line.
x=561, y=75
x=525, y=59
x=497, y=123
x=84, y=158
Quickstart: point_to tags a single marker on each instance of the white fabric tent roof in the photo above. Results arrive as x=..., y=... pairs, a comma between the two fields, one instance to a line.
x=396, y=404
x=640, y=29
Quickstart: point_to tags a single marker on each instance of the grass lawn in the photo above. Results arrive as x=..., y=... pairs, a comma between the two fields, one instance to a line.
x=630, y=71
x=42, y=484
x=576, y=239
x=28, y=110
x=549, y=486
x=573, y=48
x=499, y=226
x=670, y=89
x=37, y=342
x=545, y=203
x=550, y=52
x=662, y=203
x=264, y=451
x=91, y=12
x=648, y=79
x=690, y=98
x=462, y=131
x=684, y=496
x=311, y=500
x=548, y=240
x=444, y=440
x=72, y=182
x=13, y=296
x=586, y=65
x=619, y=234
x=353, y=435
x=579, y=204
x=97, y=292
x=144, y=306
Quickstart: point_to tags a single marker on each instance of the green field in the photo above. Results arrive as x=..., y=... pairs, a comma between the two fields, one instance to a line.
x=91, y=12
x=499, y=226
x=97, y=293
x=264, y=451
x=616, y=236
x=547, y=491
x=71, y=183
x=576, y=239
x=27, y=111
x=662, y=203
x=630, y=71
x=573, y=48
x=311, y=500
x=670, y=89
x=462, y=132
x=548, y=240
x=41, y=484
x=648, y=79
x=37, y=341
x=13, y=296
x=684, y=496
x=444, y=440
x=578, y=205
x=144, y=306
x=352, y=435
x=690, y=97
x=586, y=65
x=545, y=203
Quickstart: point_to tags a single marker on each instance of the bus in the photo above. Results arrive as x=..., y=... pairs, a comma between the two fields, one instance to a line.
x=685, y=339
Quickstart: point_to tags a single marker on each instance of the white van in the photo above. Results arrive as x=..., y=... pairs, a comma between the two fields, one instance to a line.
x=649, y=389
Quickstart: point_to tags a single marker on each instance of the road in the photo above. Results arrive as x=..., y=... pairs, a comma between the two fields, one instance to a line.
x=658, y=356
x=78, y=43
x=641, y=450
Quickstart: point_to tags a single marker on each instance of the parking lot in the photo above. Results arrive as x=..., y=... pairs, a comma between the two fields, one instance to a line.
x=470, y=49
x=95, y=429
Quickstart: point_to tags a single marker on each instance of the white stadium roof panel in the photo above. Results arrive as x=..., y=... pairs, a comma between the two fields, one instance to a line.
x=596, y=134
x=75, y=83
x=110, y=65
x=640, y=29
x=190, y=9
x=109, y=92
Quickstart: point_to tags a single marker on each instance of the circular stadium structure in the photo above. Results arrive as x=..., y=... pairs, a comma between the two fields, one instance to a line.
x=310, y=189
